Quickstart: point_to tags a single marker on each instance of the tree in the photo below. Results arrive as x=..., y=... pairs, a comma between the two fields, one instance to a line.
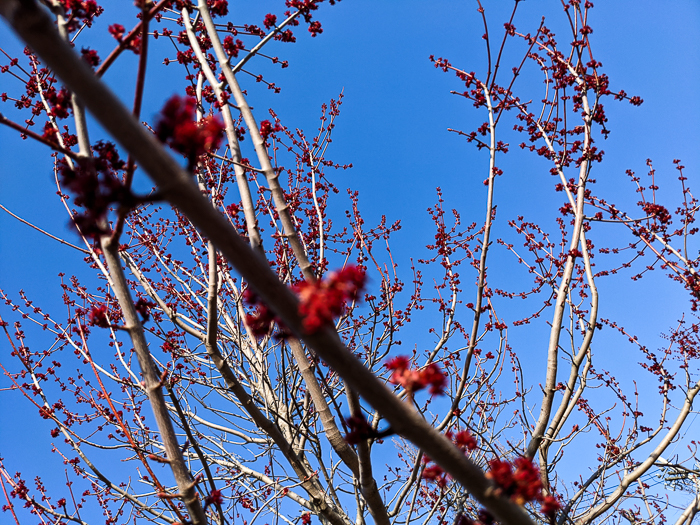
x=238, y=356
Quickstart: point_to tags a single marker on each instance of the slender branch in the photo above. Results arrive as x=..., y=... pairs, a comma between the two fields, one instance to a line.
x=20, y=219
x=36, y=136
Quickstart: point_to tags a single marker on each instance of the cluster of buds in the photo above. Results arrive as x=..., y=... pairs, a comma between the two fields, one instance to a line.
x=96, y=187
x=319, y=302
x=177, y=128
x=520, y=481
x=433, y=472
x=414, y=380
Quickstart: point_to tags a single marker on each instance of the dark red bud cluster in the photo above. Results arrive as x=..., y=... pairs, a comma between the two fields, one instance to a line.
x=218, y=7
x=232, y=48
x=214, y=498
x=96, y=187
x=261, y=322
x=80, y=12
x=359, y=429
x=91, y=57
x=177, y=128
x=657, y=211
x=270, y=20
x=98, y=316
x=434, y=473
x=266, y=129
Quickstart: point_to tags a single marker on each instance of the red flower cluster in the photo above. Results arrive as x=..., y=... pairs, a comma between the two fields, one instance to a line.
x=657, y=211
x=359, y=429
x=79, y=12
x=463, y=439
x=266, y=129
x=434, y=473
x=90, y=56
x=522, y=485
x=218, y=7
x=96, y=187
x=177, y=128
x=231, y=47
x=691, y=281
x=59, y=101
x=321, y=301
x=306, y=518
x=117, y=31
x=215, y=497
x=270, y=20
x=414, y=380
x=261, y=322
x=143, y=307
x=98, y=316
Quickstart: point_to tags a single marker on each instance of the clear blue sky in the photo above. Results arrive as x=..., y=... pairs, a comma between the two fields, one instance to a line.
x=392, y=128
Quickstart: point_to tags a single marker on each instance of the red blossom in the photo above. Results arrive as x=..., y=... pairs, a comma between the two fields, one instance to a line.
x=231, y=47
x=286, y=36
x=550, y=506
x=261, y=322
x=501, y=473
x=98, y=316
x=321, y=301
x=657, y=211
x=433, y=376
x=522, y=485
x=527, y=481
x=218, y=7
x=50, y=132
x=214, y=498
x=143, y=307
x=434, y=473
x=465, y=441
x=90, y=56
x=96, y=187
x=60, y=102
x=80, y=12
x=177, y=128
x=117, y=31
x=266, y=129
x=270, y=20
x=254, y=30
x=414, y=380
x=315, y=28
x=359, y=429
x=306, y=518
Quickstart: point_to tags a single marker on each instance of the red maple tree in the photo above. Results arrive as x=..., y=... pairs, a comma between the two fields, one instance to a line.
x=238, y=357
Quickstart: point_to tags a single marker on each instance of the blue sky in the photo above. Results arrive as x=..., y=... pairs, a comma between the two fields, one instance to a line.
x=392, y=128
